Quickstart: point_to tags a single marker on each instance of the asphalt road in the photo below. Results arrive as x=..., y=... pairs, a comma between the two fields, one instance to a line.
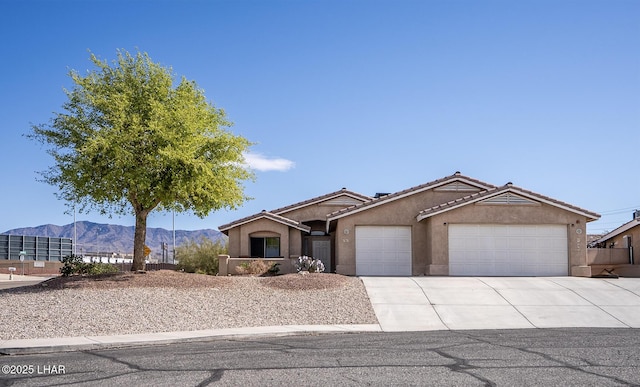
x=527, y=357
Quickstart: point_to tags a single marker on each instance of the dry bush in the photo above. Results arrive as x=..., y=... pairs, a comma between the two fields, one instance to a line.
x=311, y=281
x=255, y=267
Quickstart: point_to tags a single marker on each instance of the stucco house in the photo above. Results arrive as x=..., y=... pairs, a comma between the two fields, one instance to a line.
x=627, y=236
x=456, y=225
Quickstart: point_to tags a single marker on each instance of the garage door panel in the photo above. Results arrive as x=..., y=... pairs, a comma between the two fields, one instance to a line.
x=501, y=257
x=383, y=250
x=508, y=250
x=499, y=270
x=488, y=243
x=391, y=245
x=547, y=232
x=374, y=243
x=557, y=244
x=531, y=244
x=515, y=242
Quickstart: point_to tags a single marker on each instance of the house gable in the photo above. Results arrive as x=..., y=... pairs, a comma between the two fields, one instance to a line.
x=509, y=198
x=316, y=209
x=341, y=199
x=458, y=186
x=505, y=195
x=265, y=215
x=450, y=184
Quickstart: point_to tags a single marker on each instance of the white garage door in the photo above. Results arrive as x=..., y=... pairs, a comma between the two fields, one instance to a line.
x=508, y=250
x=383, y=250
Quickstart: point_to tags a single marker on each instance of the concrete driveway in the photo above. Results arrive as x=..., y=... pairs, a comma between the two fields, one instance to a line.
x=441, y=303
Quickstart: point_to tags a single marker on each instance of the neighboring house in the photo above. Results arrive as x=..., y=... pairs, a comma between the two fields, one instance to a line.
x=456, y=225
x=626, y=236
x=618, y=251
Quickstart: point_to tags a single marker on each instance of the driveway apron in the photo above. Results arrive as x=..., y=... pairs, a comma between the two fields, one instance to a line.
x=456, y=303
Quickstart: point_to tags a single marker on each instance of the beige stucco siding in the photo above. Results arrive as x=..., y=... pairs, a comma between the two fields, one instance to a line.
x=542, y=214
x=295, y=244
x=401, y=212
x=259, y=228
x=311, y=212
x=234, y=242
x=430, y=250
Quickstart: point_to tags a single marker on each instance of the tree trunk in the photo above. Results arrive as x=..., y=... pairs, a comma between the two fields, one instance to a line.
x=139, y=239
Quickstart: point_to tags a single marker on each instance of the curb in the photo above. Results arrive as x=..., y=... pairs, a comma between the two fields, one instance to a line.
x=85, y=343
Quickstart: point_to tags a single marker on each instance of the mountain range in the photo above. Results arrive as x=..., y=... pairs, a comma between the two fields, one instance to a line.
x=116, y=238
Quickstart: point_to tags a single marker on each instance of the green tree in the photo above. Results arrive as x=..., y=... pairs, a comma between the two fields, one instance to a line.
x=132, y=139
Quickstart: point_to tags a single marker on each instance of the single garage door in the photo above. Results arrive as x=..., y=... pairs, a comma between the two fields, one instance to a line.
x=508, y=250
x=383, y=250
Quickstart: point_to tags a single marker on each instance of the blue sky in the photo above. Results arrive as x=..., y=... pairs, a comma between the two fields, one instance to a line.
x=374, y=96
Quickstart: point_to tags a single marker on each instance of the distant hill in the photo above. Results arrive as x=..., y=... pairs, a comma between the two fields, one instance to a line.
x=115, y=238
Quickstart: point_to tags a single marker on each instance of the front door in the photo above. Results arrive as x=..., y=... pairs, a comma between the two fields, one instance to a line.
x=321, y=249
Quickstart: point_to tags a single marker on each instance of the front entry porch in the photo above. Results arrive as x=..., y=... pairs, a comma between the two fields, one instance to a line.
x=319, y=247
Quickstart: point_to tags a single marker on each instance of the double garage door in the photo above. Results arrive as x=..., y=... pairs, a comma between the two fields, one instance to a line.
x=474, y=250
x=508, y=250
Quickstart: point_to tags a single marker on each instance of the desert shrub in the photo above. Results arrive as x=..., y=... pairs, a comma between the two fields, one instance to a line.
x=243, y=268
x=200, y=257
x=255, y=267
x=100, y=268
x=72, y=264
x=274, y=269
x=309, y=264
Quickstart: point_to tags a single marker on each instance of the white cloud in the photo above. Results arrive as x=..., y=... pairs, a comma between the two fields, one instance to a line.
x=262, y=163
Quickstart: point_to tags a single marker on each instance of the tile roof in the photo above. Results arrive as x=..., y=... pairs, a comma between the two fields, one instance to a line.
x=275, y=215
x=410, y=191
x=625, y=227
x=322, y=198
x=476, y=197
x=266, y=215
x=487, y=191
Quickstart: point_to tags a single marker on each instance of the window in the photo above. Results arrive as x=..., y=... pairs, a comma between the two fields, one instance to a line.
x=268, y=247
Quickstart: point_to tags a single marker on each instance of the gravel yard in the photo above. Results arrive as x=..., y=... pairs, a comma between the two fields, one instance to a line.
x=166, y=301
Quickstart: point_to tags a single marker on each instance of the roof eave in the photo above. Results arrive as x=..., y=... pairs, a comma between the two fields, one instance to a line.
x=402, y=194
x=625, y=227
x=321, y=199
x=269, y=216
x=590, y=216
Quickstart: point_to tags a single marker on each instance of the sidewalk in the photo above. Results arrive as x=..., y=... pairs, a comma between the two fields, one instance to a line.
x=17, y=277
x=6, y=282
